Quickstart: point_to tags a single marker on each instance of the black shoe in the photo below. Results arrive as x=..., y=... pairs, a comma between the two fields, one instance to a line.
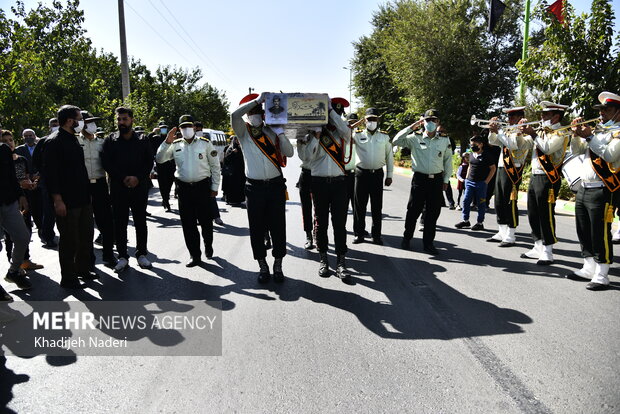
x=366, y=234
x=405, y=244
x=148, y=214
x=452, y=207
x=358, y=239
x=19, y=279
x=478, y=226
x=324, y=266
x=99, y=240
x=109, y=261
x=208, y=253
x=544, y=262
x=50, y=244
x=309, y=245
x=71, y=284
x=341, y=271
x=166, y=205
x=507, y=244
x=195, y=261
x=88, y=276
x=596, y=286
x=263, y=275
x=4, y=296
x=462, y=225
x=431, y=249
x=377, y=240
x=278, y=275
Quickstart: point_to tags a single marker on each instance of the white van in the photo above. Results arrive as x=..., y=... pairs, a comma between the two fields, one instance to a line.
x=218, y=139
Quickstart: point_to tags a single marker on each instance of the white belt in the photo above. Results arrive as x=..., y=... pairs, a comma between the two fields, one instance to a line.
x=592, y=184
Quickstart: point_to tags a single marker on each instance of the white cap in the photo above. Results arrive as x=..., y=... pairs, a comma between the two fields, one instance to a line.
x=550, y=106
x=514, y=109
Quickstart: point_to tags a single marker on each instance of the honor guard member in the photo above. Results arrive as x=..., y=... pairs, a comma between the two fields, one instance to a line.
x=349, y=169
x=374, y=151
x=165, y=171
x=515, y=147
x=548, y=152
x=305, y=187
x=600, y=181
x=431, y=162
x=264, y=149
x=99, y=190
x=197, y=178
x=329, y=193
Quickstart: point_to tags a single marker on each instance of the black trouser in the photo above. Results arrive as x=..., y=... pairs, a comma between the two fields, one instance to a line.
x=449, y=195
x=329, y=195
x=368, y=183
x=213, y=207
x=34, y=207
x=266, y=206
x=165, y=178
x=48, y=215
x=594, y=215
x=425, y=192
x=349, y=177
x=195, y=207
x=123, y=199
x=305, y=195
x=541, y=212
x=102, y=210
x=76, y=241
x=506, y=209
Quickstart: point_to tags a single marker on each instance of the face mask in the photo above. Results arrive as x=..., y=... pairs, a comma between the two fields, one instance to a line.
x=163, y=131
x=372, y=125
x=199, y=133
x=255, y=120
x=546, y=123
x=91, y=128
x=79, y=127
x=430, y=126
x=187, y=132
x=29, y=141
x=54, y=129
x=475, y=148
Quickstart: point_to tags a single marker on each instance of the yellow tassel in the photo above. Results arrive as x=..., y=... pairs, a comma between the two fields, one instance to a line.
x=513, y=194
x=551, y=199
x=609, y=214
x=286, y=195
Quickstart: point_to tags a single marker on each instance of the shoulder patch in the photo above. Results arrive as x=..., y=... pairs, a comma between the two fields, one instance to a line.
x=214, y=153
x=383, y=132
x=177, y=140
x=204, y=139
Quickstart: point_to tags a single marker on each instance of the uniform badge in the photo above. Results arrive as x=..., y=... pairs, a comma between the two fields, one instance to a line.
x=256, y=131
x=325, y=140
x=200, y=156
x=214, y=153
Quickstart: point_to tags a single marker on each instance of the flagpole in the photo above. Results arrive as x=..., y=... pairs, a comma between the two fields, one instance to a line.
x=526, y=38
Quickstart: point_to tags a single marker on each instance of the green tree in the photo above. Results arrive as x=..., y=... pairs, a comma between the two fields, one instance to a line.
x=574, y=62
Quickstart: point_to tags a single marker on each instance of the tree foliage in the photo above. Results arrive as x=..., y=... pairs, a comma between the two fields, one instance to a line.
x=575, y=61
x=47, y=61
x=438, y=54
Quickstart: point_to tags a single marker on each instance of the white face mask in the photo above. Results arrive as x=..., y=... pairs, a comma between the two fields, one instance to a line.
x=255, y=120
x=91, y=128
x=54, y=129
x=79, y=127
x=199, y=133
x=546, y=123
x=371, y=125
x=430, y=126
x=187, y=132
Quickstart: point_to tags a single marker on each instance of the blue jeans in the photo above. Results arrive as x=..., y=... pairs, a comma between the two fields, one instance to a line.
x=476, y=189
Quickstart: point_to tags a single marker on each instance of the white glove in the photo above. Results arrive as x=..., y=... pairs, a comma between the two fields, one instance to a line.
x=278, y=130
x=261, y=98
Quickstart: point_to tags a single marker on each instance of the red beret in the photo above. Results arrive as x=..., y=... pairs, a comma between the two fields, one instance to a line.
x=341, y=101
x=248, y=98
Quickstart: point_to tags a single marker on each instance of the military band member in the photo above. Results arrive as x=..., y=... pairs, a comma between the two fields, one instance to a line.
x=600, y=181
x=264, y=149
x=548, y=152
x=515, y=147
x=198, y=178
x=431, y=162
x=329, y=192
x=305, y=188
x=374, y=151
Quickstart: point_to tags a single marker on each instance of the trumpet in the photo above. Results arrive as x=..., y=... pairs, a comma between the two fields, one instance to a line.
x=533, y=123
x=484, y=123
x=589, y=121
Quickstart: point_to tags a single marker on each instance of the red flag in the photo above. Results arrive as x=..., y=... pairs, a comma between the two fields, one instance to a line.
x=557, y=9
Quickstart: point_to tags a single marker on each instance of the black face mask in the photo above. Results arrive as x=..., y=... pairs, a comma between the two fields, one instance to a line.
x=29, y=140
x=475, y=148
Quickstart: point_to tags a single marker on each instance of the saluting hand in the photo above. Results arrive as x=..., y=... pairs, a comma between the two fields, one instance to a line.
x=417, y=124
x=171, y=135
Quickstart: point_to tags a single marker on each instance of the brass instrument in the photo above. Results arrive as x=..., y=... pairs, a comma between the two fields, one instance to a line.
x=589, y=121
x=484, y=123
x=533, y=123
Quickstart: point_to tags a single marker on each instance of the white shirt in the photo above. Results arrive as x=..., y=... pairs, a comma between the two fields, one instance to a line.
x=374, y=151
x=92, y=156
x=323, y=165
x=518, y=144
x=195, y=160
x=552, y=144
x=602, y=144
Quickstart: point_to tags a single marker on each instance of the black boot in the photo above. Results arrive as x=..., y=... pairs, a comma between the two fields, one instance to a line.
x=278, y=275
x=263, y=275
x=341, y=270
x=309, y=244
x=323, y=265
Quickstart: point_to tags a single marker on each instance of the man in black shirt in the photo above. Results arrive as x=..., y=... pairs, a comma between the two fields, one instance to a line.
x=481, y=171
x=128, y=160
x=67, y=183
x=164, y=170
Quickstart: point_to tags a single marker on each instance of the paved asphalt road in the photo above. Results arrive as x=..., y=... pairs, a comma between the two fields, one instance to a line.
x=475, y=329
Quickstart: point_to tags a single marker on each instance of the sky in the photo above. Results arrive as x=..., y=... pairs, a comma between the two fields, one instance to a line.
x=272, y=45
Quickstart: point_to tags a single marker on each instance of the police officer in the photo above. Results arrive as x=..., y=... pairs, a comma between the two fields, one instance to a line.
x=431, y=162
x=600, y=182
x=197, y=178
x=326, y=150
x=165, y=171
x=349, y=169
x=264, y=149
x=514, y=149
x=548, y=152
x=305, y=188
x=374, y=151
x=98, y=186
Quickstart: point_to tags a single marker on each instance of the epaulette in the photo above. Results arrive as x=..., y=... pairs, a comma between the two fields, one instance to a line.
x=177, y=140
x=204, y=139
x=615, y=134
x=357, y=131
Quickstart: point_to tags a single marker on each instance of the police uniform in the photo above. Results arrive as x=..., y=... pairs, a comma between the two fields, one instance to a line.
x=305, y=190
x=99, y=191
x=431, y=162
x=329, y=192
x=515, y=147
x=349, y=168
x=263, y=152
x=600, y=181
x=374, y=151
x=548, y=152
x=197, y=174
x=164, y=170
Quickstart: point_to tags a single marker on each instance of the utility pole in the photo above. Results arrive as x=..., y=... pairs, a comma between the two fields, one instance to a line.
x=124, y=62
x=526, y=37
x=350, y=87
